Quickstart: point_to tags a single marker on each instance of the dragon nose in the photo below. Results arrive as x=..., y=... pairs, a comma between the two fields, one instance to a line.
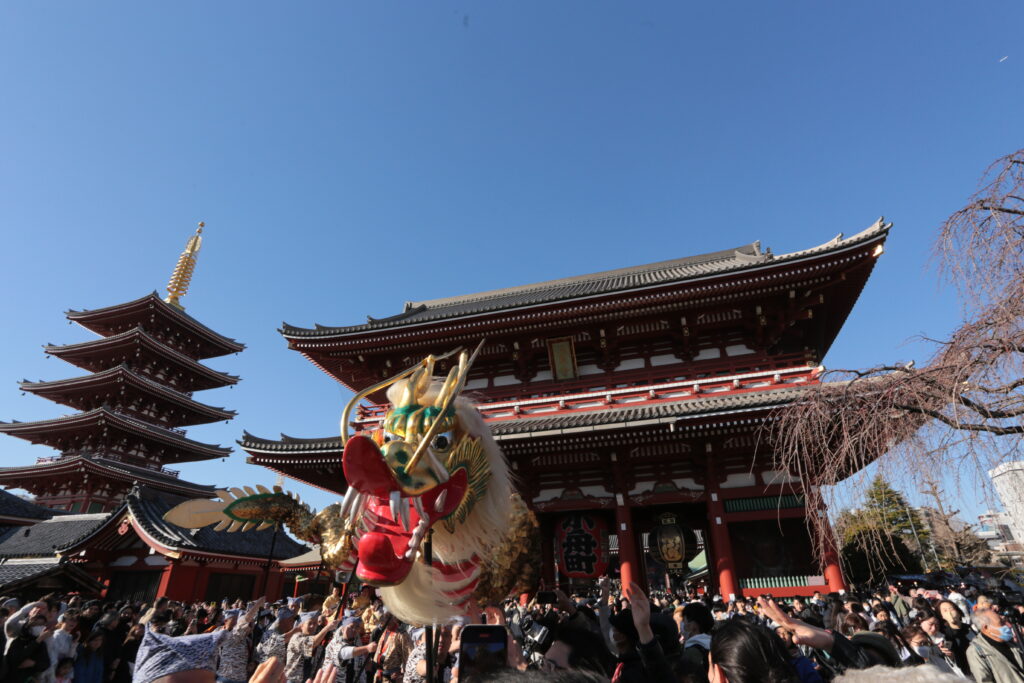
x=364, y=467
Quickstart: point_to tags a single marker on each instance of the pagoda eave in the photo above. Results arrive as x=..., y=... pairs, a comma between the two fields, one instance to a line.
x=96, y=427
x=116, y=318
x=121, y=384
x=101, y=354
x=62, y=470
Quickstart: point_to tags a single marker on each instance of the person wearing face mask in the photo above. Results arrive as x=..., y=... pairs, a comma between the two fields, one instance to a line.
x=992, y=656
x=923, y=649
x=696, y=626
x=27, y=656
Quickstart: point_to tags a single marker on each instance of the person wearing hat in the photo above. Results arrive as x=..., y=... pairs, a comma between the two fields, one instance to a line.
x=300, y=647
x=393, y=649
x=233, y=659
x=345, y=652
x=182, y=659
x=276, y=637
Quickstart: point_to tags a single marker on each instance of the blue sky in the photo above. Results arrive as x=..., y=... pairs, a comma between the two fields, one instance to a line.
x=348, y=157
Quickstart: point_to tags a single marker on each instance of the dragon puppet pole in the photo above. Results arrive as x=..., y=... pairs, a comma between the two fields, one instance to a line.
x=344, y=589
x=428, y=557
x=270, y=561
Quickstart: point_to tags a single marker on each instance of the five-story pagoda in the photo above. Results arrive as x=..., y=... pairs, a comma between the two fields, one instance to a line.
x=133, y=404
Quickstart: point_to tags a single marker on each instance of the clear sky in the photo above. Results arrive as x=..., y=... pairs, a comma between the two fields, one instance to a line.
x=348, y=157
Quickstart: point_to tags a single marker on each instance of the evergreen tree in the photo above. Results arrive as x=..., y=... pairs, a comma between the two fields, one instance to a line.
x=887, y=509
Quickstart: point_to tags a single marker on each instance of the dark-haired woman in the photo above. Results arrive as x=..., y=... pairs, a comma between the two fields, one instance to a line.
x=89, y=666
x=744, y=653
x=958, y=634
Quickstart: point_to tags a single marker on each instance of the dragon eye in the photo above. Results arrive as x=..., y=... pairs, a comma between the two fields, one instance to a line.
x=388, y=436
x=442, y=442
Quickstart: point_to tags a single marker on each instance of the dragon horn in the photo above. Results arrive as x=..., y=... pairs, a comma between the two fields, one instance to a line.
x=376, y=387
x=418, y=382
x=451, y=390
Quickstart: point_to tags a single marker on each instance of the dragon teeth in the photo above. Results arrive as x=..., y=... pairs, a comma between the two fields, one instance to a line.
x=418, y=504
x=346, y=502
x=356, y=506
x=439, y=503
x=394, y=504
x=417, y=537
x=403, y=508
x=439, y=470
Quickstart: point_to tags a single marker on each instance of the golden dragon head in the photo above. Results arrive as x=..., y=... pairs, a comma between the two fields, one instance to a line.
x=426, y=465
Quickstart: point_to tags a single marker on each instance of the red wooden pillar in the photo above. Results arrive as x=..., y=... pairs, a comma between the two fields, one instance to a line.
x=629, y=560
x=629, y=565
x=202, y=579
x=181, y=581
x=831, y=569
x=165, y=579
x=721, y=545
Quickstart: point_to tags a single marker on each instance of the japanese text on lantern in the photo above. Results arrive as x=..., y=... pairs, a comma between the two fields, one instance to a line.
x=582, y=541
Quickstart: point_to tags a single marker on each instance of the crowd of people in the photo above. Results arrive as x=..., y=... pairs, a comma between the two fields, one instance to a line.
x=608, y=635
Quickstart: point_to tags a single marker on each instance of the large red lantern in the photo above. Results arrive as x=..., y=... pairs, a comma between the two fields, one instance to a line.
x=582, y=542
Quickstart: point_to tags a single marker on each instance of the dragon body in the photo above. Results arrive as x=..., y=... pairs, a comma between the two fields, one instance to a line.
x=431, y=468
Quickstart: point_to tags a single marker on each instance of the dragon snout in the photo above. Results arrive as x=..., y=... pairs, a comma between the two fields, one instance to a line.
x=365, y=467
x=379, y=471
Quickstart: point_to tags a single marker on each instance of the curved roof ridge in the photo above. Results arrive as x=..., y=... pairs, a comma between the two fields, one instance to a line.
x=141, y=333
x=123, y=368
x=662, y=273
x=752, y=249
x=235, y=345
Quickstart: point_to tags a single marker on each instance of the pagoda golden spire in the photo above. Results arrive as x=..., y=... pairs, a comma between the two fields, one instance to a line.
x=182, y=275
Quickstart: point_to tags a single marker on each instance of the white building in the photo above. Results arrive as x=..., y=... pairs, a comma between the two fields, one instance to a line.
x=1008, y=479
x=994, y=529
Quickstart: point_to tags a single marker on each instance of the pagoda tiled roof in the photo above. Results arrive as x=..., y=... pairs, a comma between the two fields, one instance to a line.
x=16, y=507
x=104, y=417
x=47, y=537
x=106, y=467
x=100, y=320
x=148, y=509
x=578, y=421
x=747, y=258
x=103, y=467
x=80, y=353
x=122, y=373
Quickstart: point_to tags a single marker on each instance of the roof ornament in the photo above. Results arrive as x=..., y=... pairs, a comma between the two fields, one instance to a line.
x=182, y=275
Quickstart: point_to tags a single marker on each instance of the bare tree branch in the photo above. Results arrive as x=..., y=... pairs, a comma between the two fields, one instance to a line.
x=961, y=411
